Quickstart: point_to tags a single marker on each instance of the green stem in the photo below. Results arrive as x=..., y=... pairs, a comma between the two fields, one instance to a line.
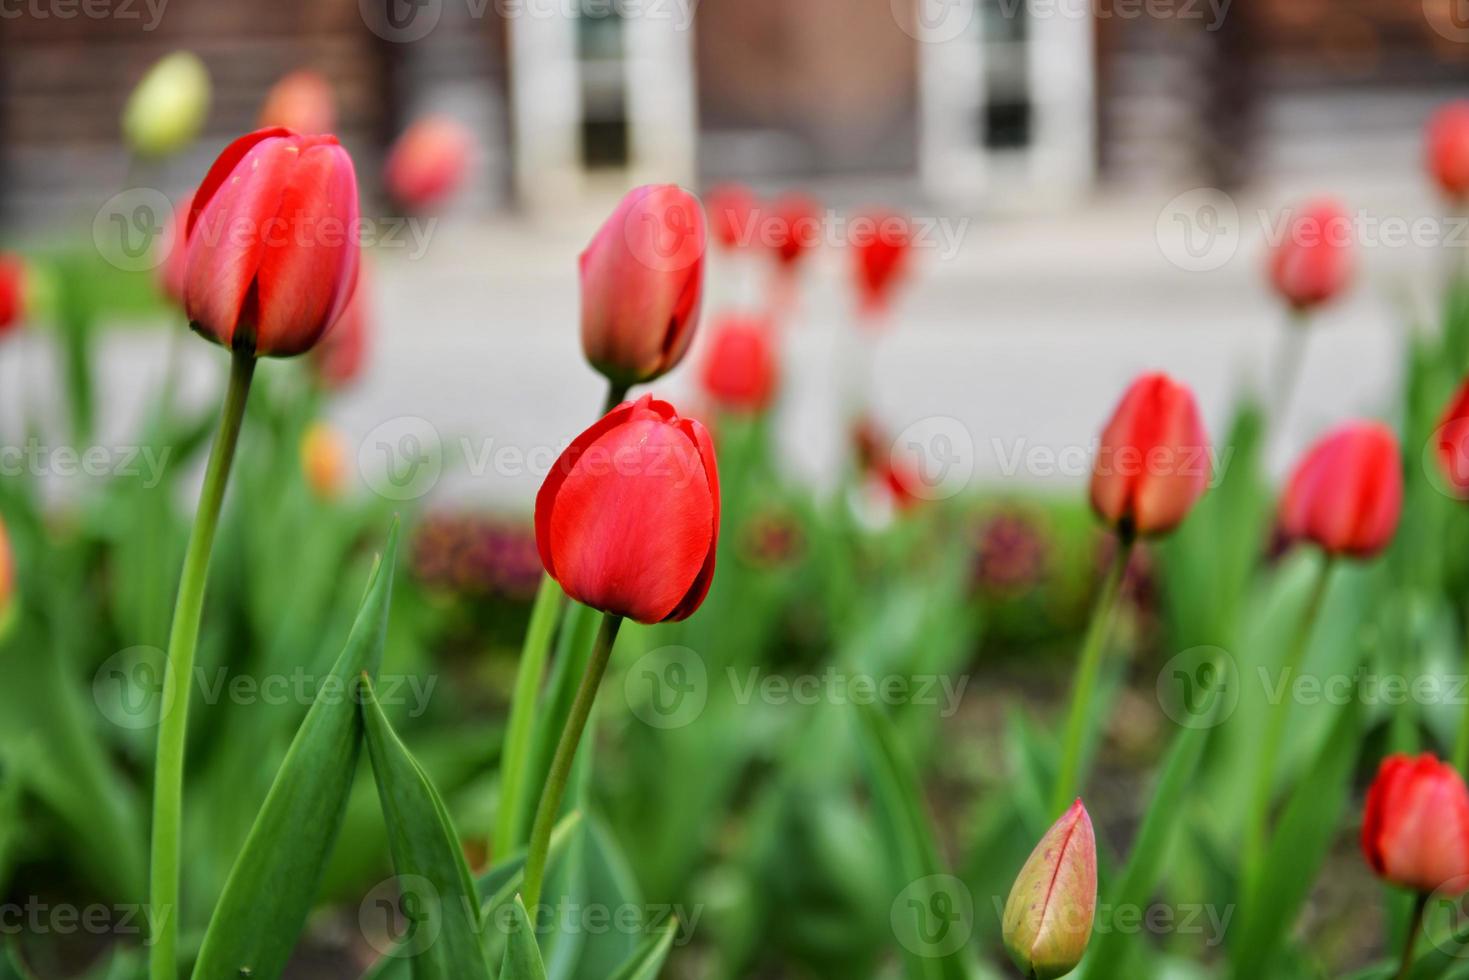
x=1084, y=687
x=1289, y=360
x=616, y=395
x=576, y=723
x=1461, y=744
x=1276, y=717
x=183, y=638
x=1415, y=926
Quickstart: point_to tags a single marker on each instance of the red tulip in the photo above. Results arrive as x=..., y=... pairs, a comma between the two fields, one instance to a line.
x=1415, y=832
x=12, y=291
x=794, y=228
x=628, y=517
x=740, y=371
x=341, y=355
x=733, y=210
x=1047, y=922
x=301, y=101
x=1452, y=449
x=1313, y=262
x=7, y=581
x=428, y=162
x=1347, y=492
x=1448, y=148
x=882, y=250
x=1153, y=464
x=272, y=242
x=641, y=281
x=174, y=267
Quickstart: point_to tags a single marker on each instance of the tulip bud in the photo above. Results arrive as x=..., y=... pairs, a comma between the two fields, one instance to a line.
x=12, y=291
x=1448, y=149
x=732, y=209
x=428, y=162
x=1415, y=831
x=1452, y=448
x=628, y=518
x=272, y=243
x=642, y=277
x=881, y=256
x=795, y=228
x=1347, y=492
x=324, y=460
x=740, y=370
x=1153, y=464
x=173, y=247
x=167, y=109
x=8, y=604
x=1048, y=916
x=1313, y=262
x=301, y=101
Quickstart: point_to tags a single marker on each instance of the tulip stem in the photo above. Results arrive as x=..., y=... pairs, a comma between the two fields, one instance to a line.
x=1276, y=717
x=1087, y=671
x=616, y=395
x=576, y=723
x=1290, y=358
x=1415, y=926
x=174, y=706
x=1461, y=743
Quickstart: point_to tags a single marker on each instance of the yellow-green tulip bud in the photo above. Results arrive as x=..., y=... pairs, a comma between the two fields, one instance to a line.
x=167, y=109
x=1048, y=917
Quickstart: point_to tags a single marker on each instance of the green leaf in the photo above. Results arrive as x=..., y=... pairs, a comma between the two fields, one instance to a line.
x=522, y=956
x=426, y=854
x=274, y=880
x=648, y=958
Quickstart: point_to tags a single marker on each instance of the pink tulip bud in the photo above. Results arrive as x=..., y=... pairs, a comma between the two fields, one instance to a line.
x=428, y=163
x=1313, y=262
x=1048, y=916
x=642, y=277
x=733, y=210
x=301, y=101
x=273, y=243
x=740, y=371
x=1153, y=463
x=1415, y=831
x=1448, y=149
x=1347, y=492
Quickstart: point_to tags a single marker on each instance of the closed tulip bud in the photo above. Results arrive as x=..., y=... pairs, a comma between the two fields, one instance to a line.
x=172, y=245
x=1313, y=262
x=628, y=518
x=642, y=278
x=740, y=371
x=1048, y=916
x=167, y=109
x=1347, y=492
x=12, y=292
x=428, y=162
x=1452, y=448
x=794, y=228
x=882, y=252
x=732, y=209
x=272, y=242
x=301, y=101
x=1448, y=149
x=1415, y=832
x=1153, y=463
x=324, y=460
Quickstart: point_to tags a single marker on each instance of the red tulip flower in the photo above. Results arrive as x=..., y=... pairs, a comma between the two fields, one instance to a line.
x=1313, y=262
x=1153, y=464
x=7, y=581
x=733, y=210
x=628, y=518
x=794, y=228
x=1347, y=493
x=882, y=253
x=1415, y=832
x=1448, y=149
x=642, y=278
x=740, y=371
x=301, y=101
x=12, y=291
x=428, y=162
x=174, y=267
x=341, y=355
x=272, y=242
x=1452, y=449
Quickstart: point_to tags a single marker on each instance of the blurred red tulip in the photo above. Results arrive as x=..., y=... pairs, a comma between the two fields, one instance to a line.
x=1153, y=464
x=1313, y=262
x=7, y=581
x=341, y=356
x=1415, y=830
x=171, y=271
x=1347, y=492
x=740, y=371
x=272, y=243
x=1448, y=148
x=642, y=277
x=1047, y=922
x=882, y=240
x=428, y=162
x=301, y=101
x=885, y=470
x=733, y=210
x=12, y=291
x=794, y=228
x=628, y=518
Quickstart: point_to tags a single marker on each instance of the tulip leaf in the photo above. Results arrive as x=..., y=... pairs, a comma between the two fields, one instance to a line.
x=274, y=879
x=522, y=956
x=426, y=854
x=648, y=958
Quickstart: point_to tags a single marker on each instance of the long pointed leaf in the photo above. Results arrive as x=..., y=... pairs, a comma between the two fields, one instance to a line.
x=522, y=956
x=648, y=958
